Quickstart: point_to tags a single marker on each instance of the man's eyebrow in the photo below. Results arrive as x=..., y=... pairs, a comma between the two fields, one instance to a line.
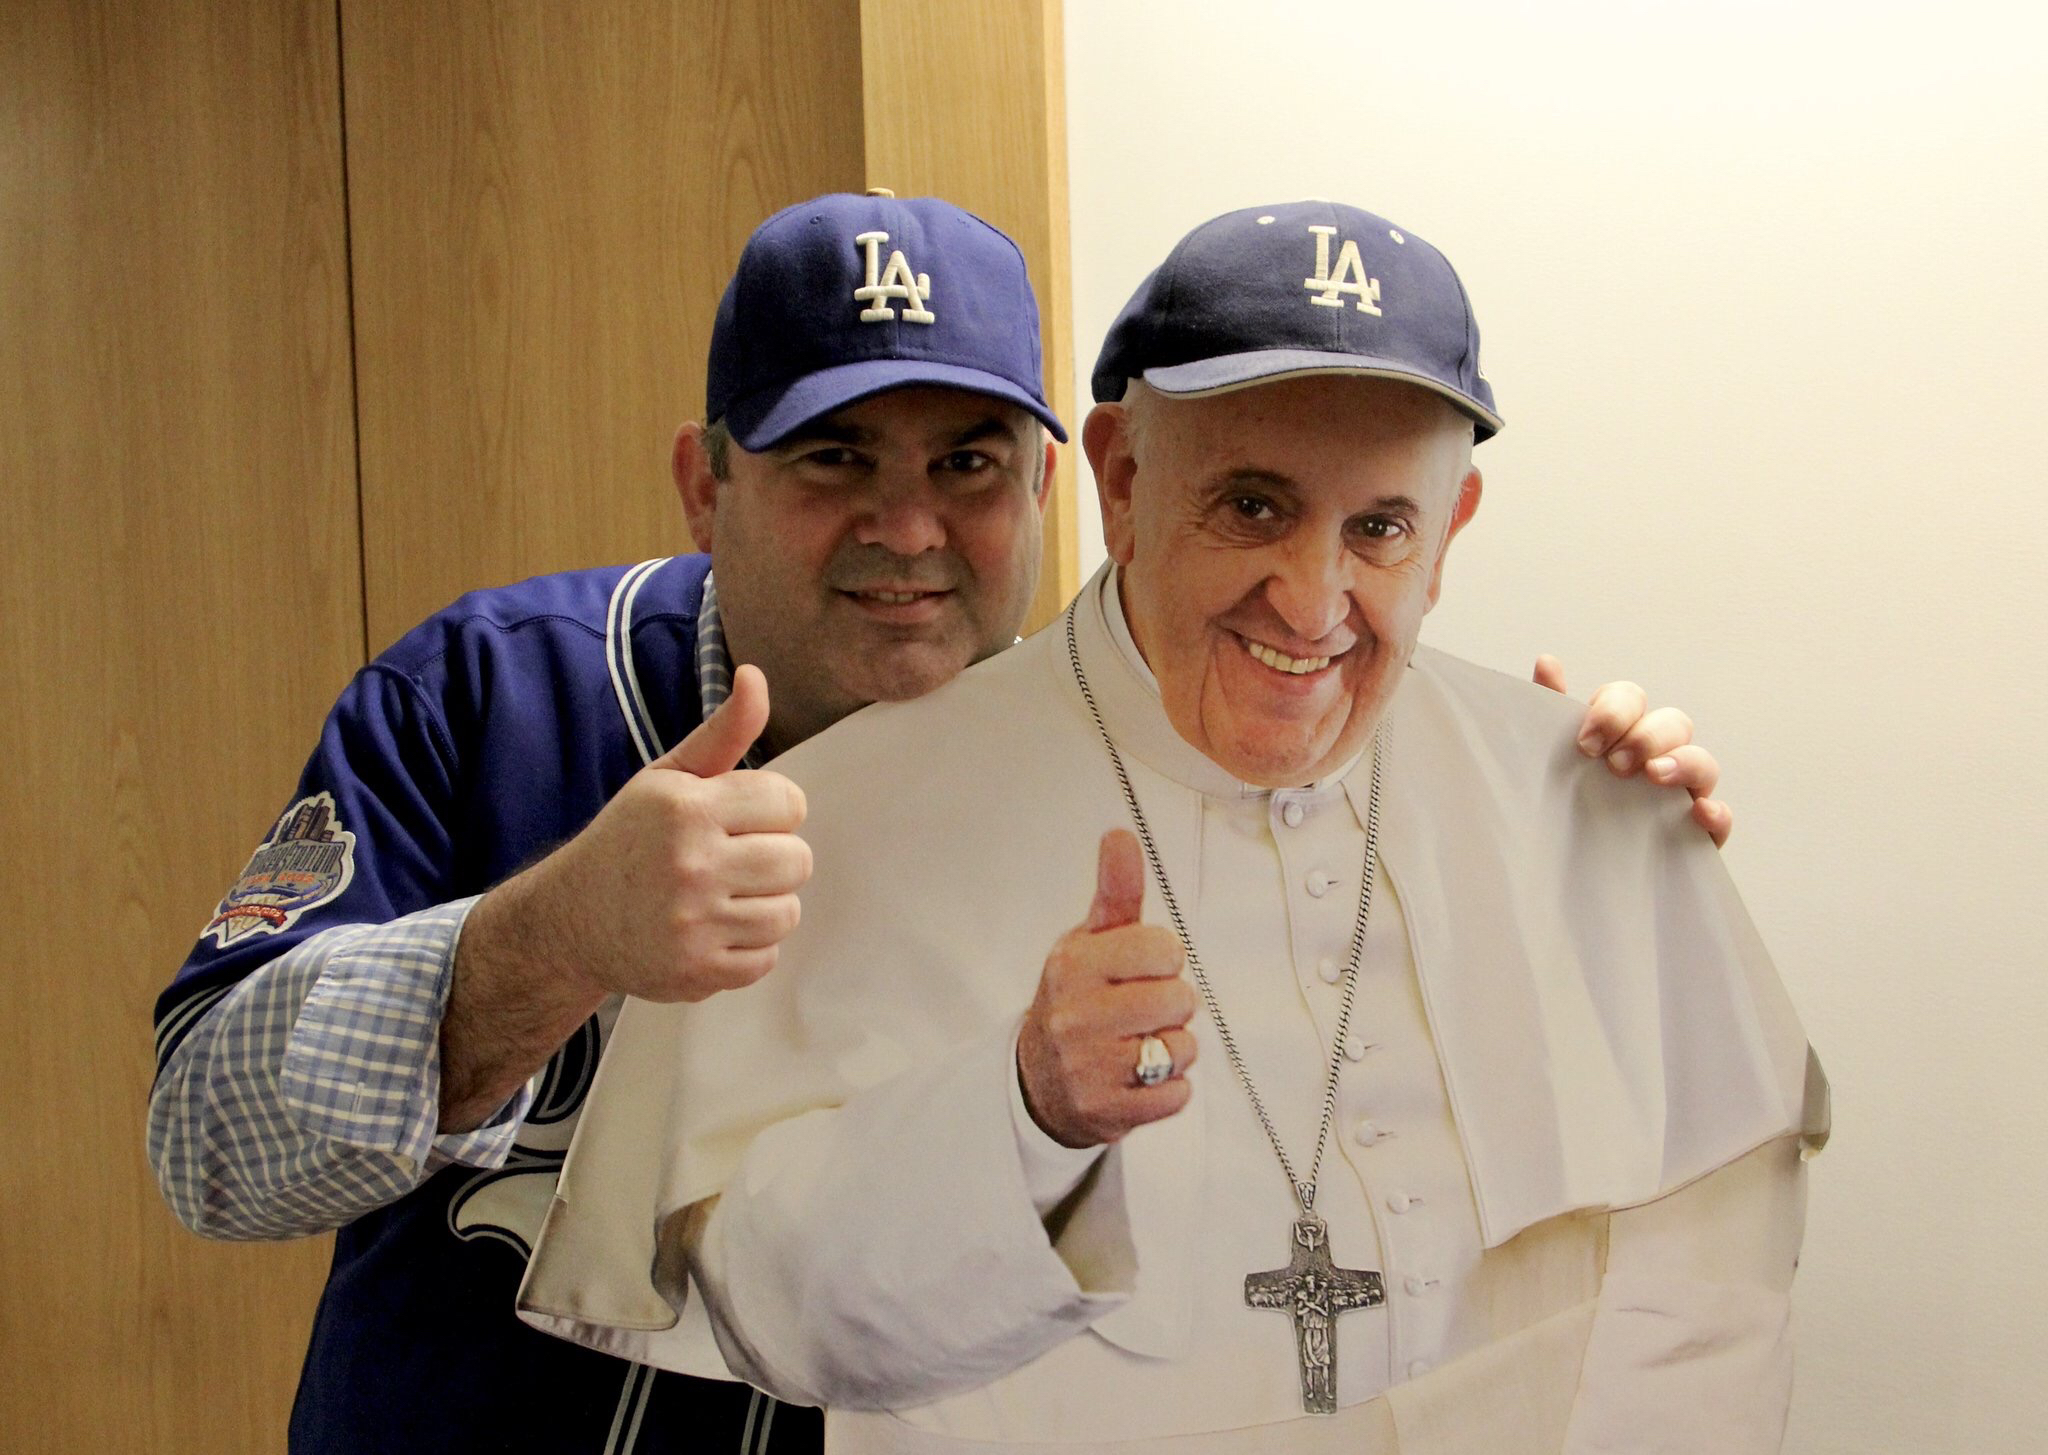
x=994, y=427
x=825, y=432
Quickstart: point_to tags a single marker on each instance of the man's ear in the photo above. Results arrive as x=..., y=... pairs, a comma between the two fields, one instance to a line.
x=1463, y=510
x=696, y=486
x=1106, y=437
x=1052, y=460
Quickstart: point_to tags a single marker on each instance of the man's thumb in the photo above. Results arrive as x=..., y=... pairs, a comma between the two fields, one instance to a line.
x=722, y=739
x=1119, y=882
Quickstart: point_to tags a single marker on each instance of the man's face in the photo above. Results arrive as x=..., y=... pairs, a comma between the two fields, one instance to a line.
x=876, y=552
x=1280, y=545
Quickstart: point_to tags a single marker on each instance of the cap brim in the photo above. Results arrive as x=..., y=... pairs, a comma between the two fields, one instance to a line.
x=1266, y=366
x=771, y=415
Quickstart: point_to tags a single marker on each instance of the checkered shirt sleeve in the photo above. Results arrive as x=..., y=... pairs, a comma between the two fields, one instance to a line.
x=308, y=1095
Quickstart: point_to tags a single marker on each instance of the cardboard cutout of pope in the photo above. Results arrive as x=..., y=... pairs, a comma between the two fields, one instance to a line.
x=1219, y=1024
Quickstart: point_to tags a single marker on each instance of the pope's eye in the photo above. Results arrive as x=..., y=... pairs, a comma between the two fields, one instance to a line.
x=1251, y=507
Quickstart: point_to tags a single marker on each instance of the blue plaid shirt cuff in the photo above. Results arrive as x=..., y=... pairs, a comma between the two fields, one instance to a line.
x=308, y=1094
x=363, y=1064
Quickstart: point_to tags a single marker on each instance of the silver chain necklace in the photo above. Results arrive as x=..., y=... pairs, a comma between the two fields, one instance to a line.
x=1312, y=1288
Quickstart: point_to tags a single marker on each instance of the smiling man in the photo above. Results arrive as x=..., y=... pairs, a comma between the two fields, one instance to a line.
x=1287, y=1041
x=549, y=796
x=935, y=568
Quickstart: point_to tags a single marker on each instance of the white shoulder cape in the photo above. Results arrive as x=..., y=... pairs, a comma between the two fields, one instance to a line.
x=1609, y=1024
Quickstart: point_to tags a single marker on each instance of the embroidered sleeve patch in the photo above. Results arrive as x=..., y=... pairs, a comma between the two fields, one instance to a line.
x=308, y=860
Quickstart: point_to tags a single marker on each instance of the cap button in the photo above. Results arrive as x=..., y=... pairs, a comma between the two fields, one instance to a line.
x=880, y=192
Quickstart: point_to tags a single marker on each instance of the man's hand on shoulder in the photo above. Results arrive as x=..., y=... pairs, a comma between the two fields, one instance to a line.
x=683, y=885
x=1109, y=982
x=1619, y=727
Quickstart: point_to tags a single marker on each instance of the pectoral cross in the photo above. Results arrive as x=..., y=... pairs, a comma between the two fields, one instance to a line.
x=1315, y=1290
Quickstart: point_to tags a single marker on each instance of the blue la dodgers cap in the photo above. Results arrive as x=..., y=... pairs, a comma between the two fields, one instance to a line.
x=847, y=296
x=1302, y=288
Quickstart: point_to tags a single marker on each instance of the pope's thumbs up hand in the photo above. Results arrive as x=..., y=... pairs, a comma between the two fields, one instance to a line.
x=685, y=883
x=1109, y=983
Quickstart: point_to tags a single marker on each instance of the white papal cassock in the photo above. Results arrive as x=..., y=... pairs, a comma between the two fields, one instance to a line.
x=1569, y=1124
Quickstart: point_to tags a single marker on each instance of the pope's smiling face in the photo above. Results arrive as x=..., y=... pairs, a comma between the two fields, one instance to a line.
x=1280, y=545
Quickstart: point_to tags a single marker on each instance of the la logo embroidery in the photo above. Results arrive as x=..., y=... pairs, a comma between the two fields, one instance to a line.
x=894, y=281
x=1326, y=285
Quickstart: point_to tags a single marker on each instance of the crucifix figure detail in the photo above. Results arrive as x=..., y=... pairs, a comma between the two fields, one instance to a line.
x=1314, y=1290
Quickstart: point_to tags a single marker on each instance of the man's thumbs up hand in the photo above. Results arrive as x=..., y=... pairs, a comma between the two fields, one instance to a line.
x=1108, y=983
x=722, y=739
x=685, y=883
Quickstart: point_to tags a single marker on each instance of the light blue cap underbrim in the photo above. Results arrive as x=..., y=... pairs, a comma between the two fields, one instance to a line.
x=1265, y=366
x=770, y=416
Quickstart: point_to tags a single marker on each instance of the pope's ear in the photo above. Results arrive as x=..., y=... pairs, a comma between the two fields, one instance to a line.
x=696, y=485
x=1462, y=510
x=1106, y=437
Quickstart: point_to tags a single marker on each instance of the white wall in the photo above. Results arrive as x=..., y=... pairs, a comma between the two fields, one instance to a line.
x=1764, y=289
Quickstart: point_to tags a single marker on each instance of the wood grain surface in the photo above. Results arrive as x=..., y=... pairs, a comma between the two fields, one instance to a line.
x=179, y=604
x=545, y=203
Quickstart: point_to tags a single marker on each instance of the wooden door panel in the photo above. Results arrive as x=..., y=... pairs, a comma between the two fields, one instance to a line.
x=545, y=202
x=180, y=600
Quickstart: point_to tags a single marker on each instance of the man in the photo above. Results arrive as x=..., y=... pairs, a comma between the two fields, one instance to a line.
x=1492, y=1140
x=532, y=805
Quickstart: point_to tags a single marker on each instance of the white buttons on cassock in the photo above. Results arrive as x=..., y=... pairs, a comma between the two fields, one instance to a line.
x=1355, y=1048
x=1291, y=813
x=1416, y=1287
x=1417, y=1368
x=1366, y=1133
x=1330, y=970
x=1400, y=1202
x=1319, y=882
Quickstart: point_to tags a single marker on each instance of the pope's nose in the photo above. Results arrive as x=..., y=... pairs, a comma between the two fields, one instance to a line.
x=1309, y=594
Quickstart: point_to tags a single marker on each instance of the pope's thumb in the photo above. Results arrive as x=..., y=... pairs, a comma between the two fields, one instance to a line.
x=1119, y=882
x=722, y=739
